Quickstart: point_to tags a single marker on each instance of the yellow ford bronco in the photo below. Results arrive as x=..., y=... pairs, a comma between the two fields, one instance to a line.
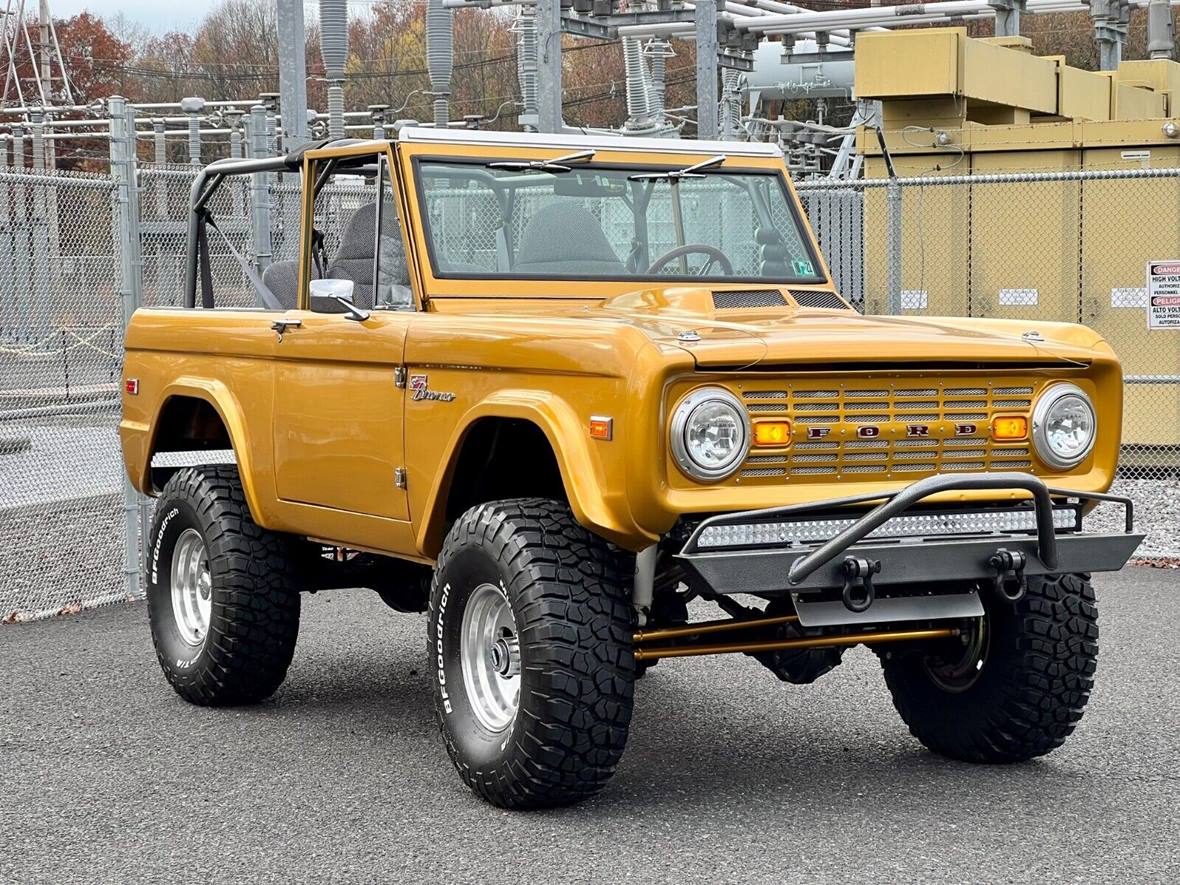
x=551, y=390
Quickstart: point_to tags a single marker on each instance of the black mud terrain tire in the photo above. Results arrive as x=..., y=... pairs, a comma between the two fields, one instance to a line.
x=244, y=587
x=1038, y=660
x=564, y=591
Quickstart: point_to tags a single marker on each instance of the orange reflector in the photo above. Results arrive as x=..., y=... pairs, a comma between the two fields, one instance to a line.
x=601, y=428
x=772, y=433
x=1010, y=427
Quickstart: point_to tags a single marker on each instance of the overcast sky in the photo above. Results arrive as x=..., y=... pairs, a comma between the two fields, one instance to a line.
x=160, y=15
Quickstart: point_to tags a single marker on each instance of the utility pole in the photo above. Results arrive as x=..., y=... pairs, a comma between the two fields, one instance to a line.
x=548, y=18
x=292, y=73
x=706, y=34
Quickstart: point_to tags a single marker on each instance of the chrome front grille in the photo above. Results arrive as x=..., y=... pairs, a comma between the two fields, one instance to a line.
x=874, y=429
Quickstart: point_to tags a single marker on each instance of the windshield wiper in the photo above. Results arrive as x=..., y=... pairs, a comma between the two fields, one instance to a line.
x=693, y=171
x=557, y=164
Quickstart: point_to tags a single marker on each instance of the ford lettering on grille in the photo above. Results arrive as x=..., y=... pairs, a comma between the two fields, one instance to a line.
x=877, y=429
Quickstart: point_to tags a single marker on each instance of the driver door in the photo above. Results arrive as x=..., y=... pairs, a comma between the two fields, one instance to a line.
x=339, y=397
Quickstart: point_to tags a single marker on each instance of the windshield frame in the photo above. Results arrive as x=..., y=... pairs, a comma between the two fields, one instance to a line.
x=805, y=232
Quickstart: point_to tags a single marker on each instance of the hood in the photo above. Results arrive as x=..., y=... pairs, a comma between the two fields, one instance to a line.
x=765, y=337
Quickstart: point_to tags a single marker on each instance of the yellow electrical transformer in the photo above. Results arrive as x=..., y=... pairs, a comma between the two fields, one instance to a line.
x=1068, y=250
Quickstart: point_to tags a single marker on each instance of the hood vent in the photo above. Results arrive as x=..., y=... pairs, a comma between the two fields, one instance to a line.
x=745, y=298
x=808, y=298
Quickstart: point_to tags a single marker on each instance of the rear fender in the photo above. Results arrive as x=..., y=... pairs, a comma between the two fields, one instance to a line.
x=223, y=401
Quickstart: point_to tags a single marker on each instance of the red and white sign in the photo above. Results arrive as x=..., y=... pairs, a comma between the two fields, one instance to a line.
x=1163, y=295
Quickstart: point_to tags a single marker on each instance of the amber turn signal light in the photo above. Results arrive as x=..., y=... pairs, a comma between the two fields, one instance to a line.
x=602, y=428
x=772, y=433
x=1010, y=427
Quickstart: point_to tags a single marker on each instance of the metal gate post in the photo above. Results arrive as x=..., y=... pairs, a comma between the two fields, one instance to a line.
x=259, y=192
x=127, y=244
x=39, y=224
x=893, y=247
x=22, y=296
x=7, y=289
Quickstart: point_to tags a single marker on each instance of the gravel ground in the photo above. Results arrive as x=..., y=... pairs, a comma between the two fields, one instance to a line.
x=1157, y=514
x=730, y=776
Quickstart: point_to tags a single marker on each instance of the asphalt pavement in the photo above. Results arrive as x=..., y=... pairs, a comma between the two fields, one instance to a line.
x=730, y=776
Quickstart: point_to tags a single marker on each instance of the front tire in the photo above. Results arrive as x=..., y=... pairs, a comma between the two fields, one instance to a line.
x=530, y=632
x=222, y=602
x=1016, y=688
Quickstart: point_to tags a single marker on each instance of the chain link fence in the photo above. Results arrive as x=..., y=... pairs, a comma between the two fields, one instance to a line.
x=1068, y=247
x=61, y=332
x=77, y=251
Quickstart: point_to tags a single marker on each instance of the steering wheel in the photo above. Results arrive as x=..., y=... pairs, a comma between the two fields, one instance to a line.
x=716, y=256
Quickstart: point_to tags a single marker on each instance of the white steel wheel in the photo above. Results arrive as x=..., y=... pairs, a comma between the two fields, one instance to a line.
x=489, y=654
x=192, y=587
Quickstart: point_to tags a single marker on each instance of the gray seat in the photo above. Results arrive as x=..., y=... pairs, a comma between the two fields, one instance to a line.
x=282, y=278
x=354, y=258
x=564, y=239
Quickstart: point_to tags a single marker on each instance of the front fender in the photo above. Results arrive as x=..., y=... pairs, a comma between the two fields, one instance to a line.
x=582, y=471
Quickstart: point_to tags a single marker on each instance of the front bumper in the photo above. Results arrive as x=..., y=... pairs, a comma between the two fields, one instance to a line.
x=836, y=581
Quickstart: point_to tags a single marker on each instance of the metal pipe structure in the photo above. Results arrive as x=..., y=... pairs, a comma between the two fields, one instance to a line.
x=1007, y=16
x=440, y=58
x=194, y=107
x=639, y=116
x=334, y=50
x=658, y=51
x=260, y=198
x=731, y=103
x=548, y=20
x=1161, y=31
x=292, y=72
x=526, y=65
x=705, y=19
x=127, y=245
x=160, y=142
x=838, y=22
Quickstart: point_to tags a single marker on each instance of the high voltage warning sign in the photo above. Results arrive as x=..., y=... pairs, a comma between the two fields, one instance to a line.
x=1163, y=295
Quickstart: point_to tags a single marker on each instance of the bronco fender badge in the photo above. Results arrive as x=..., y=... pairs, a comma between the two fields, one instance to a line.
x=420, y=387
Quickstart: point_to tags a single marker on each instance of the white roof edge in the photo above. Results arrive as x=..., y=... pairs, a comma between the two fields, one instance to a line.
x=422, y=134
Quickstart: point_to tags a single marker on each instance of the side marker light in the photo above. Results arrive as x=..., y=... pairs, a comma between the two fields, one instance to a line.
x=602, y=428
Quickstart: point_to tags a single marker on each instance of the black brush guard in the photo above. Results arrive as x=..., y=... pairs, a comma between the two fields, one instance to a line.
x=836, y=582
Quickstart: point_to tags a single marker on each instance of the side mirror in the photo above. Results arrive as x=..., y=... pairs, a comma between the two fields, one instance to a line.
x=335, y=296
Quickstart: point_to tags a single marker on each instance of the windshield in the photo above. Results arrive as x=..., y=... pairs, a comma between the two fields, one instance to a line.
x=597, y=222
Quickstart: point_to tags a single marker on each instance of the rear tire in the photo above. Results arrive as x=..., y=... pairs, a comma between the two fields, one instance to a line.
x=222, y=600
x=1020, y=693
x=530, y=637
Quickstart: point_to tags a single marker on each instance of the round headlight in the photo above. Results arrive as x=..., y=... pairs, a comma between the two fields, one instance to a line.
x=1064, y=426
x=710, y=434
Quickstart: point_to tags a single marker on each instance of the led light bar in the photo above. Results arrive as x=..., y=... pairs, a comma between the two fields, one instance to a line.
x=909, y=525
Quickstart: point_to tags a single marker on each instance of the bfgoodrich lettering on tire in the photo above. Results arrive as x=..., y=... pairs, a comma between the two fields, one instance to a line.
x=1014, y=686
x=223, y=607
x=530, y=642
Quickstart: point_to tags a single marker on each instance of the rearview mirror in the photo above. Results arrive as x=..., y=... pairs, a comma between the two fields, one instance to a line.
x=335, y=296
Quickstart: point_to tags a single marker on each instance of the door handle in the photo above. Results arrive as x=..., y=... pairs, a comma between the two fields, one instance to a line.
x=280, y=327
